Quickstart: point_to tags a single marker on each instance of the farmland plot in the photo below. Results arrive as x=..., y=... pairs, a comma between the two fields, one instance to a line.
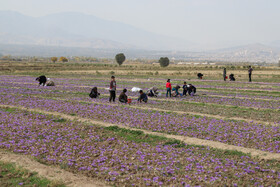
x=129, y=157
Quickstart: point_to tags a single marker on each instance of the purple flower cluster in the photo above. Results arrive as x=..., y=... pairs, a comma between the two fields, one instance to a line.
x=243, y=134
x=96, y=153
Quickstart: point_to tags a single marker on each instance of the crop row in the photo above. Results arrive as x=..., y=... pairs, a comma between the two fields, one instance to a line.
x=97, y=153
x=202, y=99
x=126, y=82
x=238, y=133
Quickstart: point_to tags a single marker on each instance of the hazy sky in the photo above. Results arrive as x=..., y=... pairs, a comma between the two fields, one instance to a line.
x=201, y=21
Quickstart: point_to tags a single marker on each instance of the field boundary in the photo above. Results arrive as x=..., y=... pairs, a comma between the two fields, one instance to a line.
x=188, y=140
x=50, y=172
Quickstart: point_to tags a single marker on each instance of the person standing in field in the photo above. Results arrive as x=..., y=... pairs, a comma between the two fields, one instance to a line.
x=168, y=88
x=225, y=74
x=185, y=89
x=250, y=73
x=113, y=88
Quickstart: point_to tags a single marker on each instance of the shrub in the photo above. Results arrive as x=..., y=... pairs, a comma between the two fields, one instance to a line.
x=120, y=58
x=164, y=61
x=53, y=59
x=63, y=59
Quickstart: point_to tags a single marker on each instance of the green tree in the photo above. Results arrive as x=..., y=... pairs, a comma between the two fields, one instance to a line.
x=120, y=58
x=63, y=59
x=53, y=59
x=164, y=61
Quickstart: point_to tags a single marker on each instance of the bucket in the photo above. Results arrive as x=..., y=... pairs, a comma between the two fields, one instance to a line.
x=129, y=100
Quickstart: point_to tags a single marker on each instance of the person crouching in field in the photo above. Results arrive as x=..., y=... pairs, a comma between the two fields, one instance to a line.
x=50, y=82
x=231, y=77
x=175, y=91
x=42, y=80
x=168, y=88
x=94, y=93
x=123, y=96
x=152, y=92
x=143, y=97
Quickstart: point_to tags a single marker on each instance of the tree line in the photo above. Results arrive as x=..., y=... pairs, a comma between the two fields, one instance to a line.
x=119, y=58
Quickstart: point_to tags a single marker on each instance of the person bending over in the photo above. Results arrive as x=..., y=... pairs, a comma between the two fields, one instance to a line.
x=123, y=96
x=42, y=80
x=191, y=89
x=143, y=97
x=175, y=91
x=152, y=92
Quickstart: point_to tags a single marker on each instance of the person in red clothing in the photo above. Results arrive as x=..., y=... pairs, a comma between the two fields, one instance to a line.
x=168, y=88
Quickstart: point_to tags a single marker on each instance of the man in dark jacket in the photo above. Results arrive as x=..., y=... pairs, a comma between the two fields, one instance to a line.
x=143, y=97
x=250, y=73
x=42, y=80
x=185, y=89
x=123, y=96
x=225, y=74
x=113, y=88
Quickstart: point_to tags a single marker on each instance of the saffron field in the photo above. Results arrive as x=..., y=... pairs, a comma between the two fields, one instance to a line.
x=44, y=124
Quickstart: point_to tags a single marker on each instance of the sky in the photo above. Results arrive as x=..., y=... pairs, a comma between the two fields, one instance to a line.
x=207, y=22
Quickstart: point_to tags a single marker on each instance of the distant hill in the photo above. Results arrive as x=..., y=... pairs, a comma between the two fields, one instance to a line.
x=275, y=44
x=80, y=30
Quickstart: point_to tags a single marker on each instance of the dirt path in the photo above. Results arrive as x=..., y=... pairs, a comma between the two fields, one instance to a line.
x=50, y=172
x=188, y=140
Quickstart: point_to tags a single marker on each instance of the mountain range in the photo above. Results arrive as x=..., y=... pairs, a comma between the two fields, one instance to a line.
x=72, y=29
x=76, y=34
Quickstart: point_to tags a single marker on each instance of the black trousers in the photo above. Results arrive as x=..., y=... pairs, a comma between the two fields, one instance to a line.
x=250, y=77
x=112, y=96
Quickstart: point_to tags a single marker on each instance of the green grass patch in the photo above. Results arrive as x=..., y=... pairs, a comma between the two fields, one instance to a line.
x=230, y=153
x=10, y=175
x=135, y=135
x=60, y=120
x=10, y=110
